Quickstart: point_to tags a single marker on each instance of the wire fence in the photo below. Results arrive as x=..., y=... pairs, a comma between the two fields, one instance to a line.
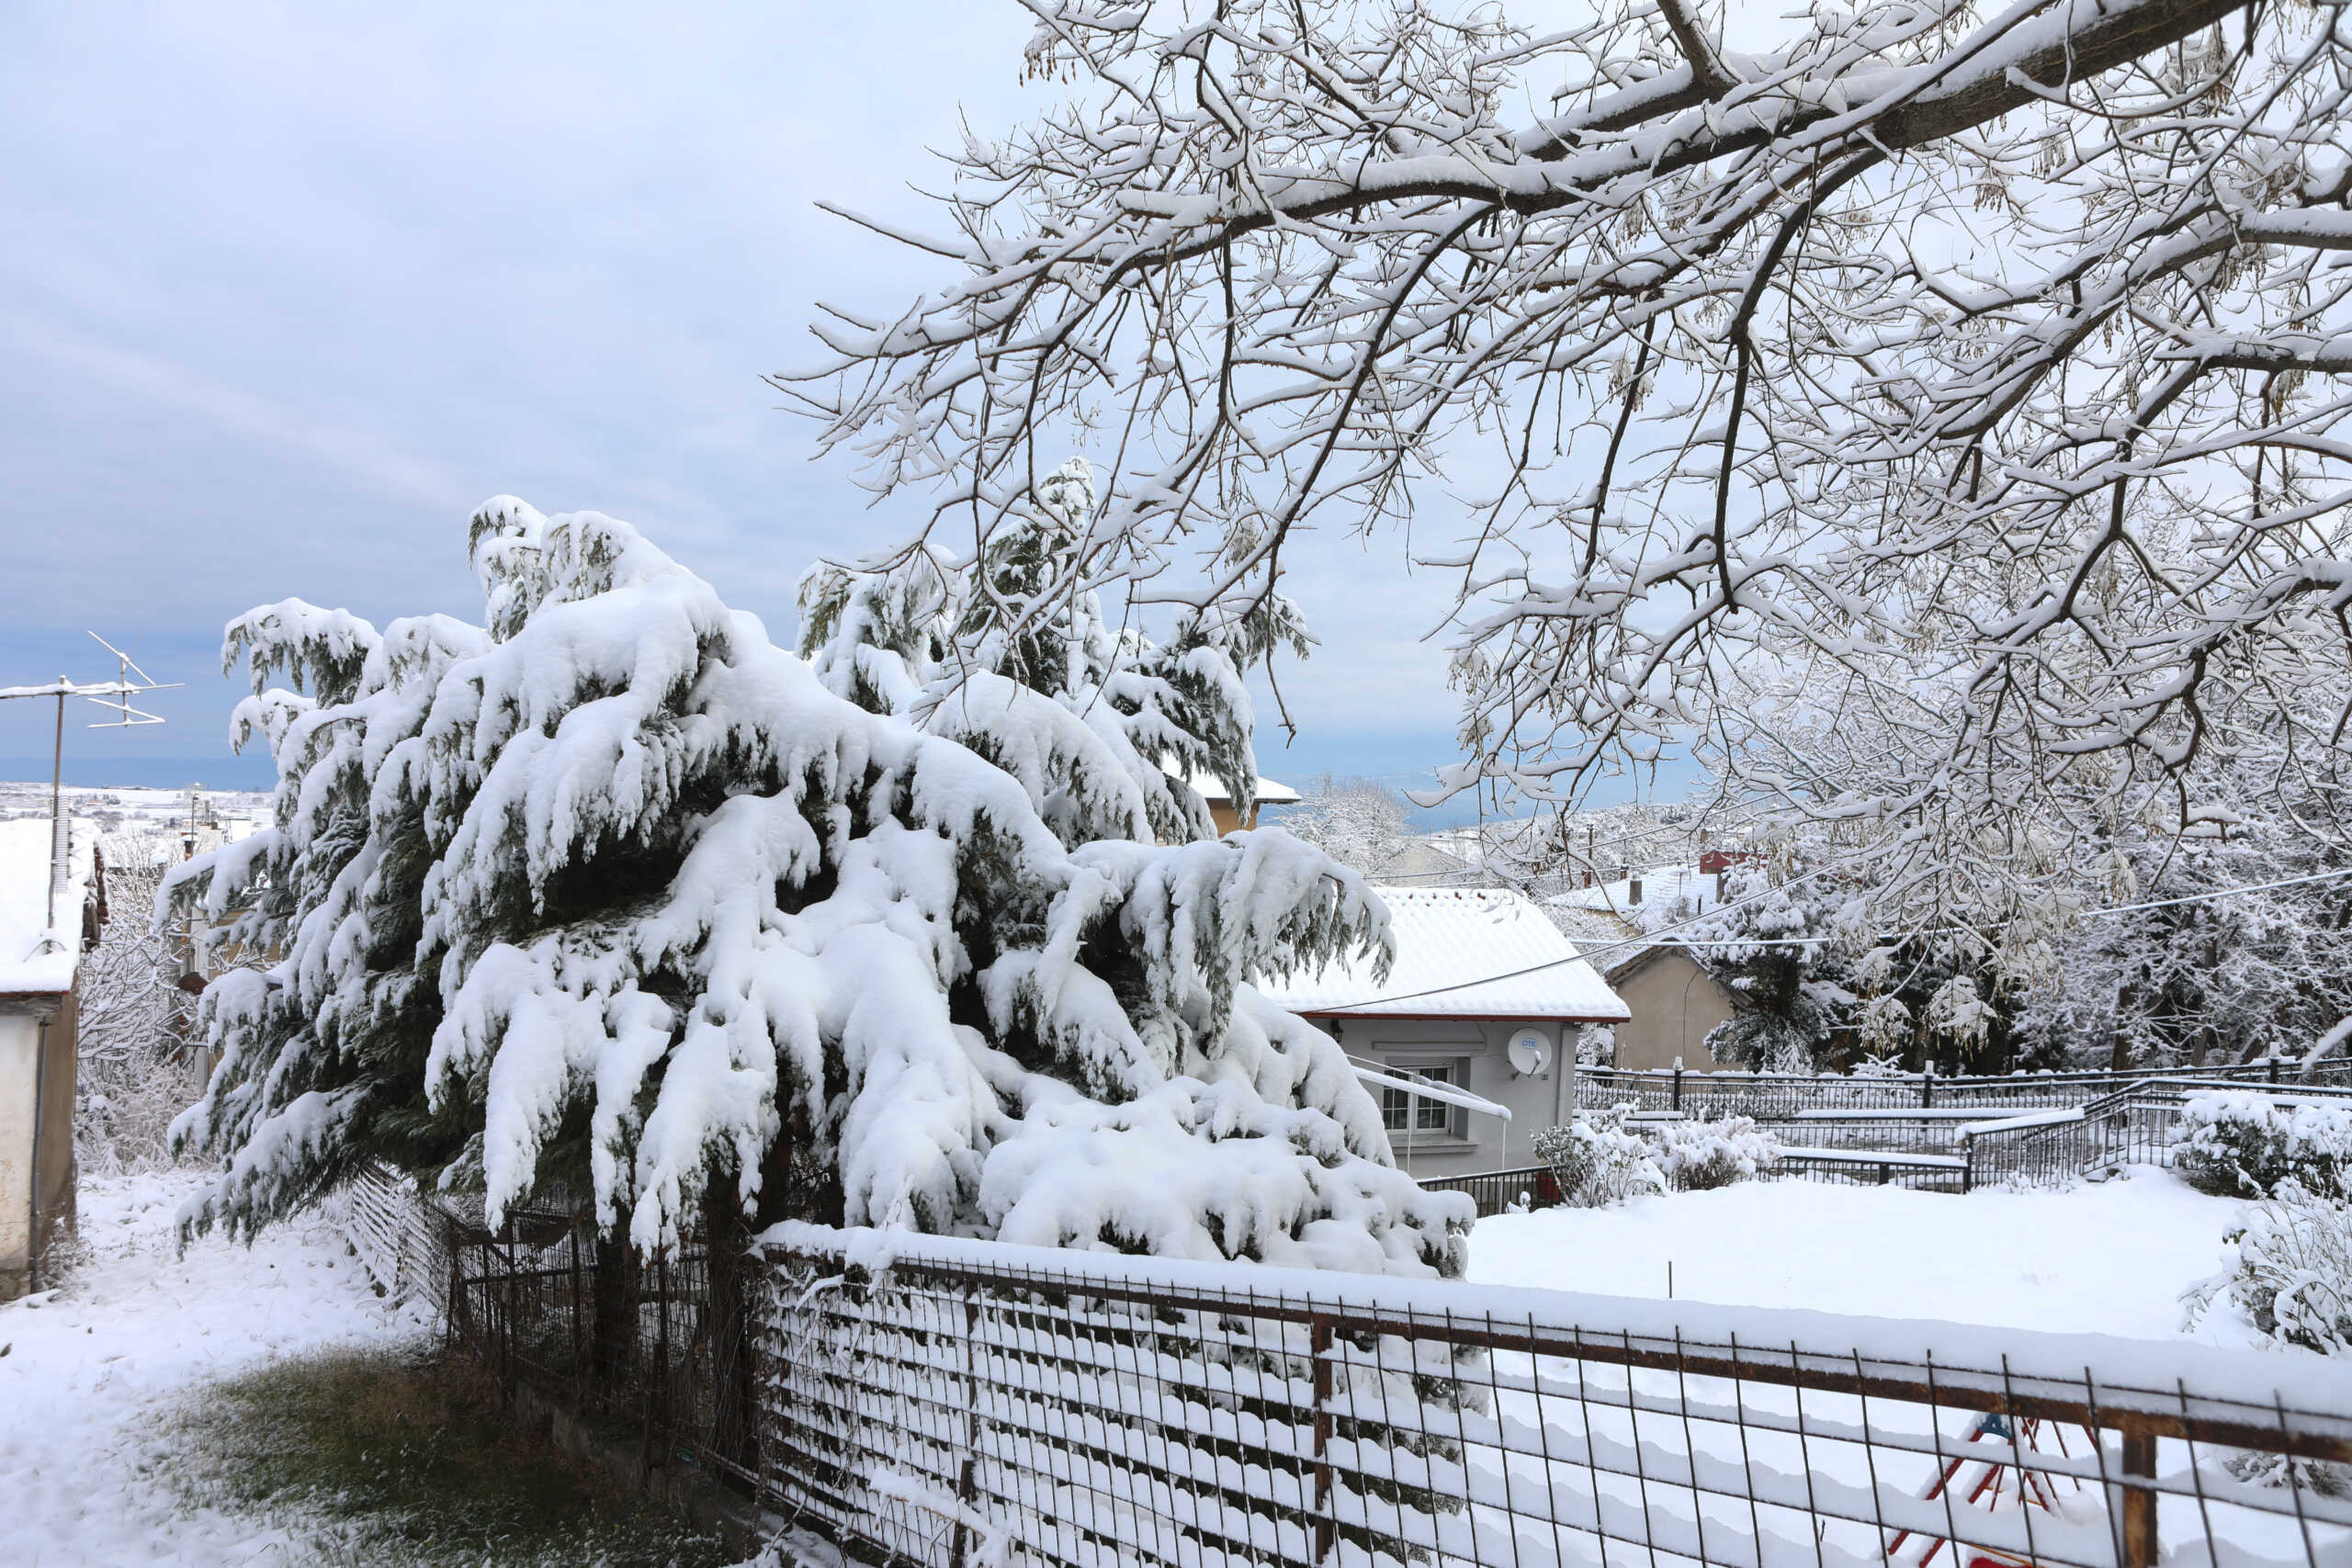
x=960, y=1403
x=1783, y=1097
x=941, y=1402
x=635, y=1345
x=1945, y=1149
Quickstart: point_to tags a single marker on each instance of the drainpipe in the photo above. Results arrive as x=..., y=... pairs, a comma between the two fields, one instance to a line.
x=33, y=1249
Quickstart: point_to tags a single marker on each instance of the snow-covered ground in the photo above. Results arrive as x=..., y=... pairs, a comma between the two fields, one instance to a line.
x=2112, y=1258
x=91, y=1373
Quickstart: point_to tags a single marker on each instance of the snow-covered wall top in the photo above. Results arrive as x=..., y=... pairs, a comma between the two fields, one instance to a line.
x=1461, y=952
x=30, y=963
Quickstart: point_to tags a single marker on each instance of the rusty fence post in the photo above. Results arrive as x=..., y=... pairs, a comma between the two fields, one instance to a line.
x=2137, y=1503
x=1319, y=1338
x=968, y=1490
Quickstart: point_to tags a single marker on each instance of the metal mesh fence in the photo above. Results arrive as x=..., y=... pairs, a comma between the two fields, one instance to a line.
x=969, y=1402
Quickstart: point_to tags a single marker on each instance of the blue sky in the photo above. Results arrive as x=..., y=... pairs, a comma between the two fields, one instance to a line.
x=287, y=289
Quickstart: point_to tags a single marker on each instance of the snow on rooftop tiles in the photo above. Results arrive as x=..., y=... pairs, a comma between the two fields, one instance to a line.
x=1658, y=882
x=1461, y=953
x=1209, y=787
x=28, y=963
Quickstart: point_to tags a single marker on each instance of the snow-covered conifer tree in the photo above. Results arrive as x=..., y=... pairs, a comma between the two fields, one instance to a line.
x=977, y=650
x=611, y=892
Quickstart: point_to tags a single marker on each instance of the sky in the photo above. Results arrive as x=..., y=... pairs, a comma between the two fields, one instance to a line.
x=288, y=290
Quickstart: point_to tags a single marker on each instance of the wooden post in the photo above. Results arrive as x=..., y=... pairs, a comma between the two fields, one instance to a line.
x=2138, y=1508
x=1319, y=1343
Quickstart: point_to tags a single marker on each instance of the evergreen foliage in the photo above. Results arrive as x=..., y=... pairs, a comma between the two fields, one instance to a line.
x=610, y=894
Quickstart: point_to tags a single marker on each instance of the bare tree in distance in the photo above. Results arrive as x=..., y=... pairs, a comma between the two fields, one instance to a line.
x=1977, y=377
x=137, y=1067
x=1359, y=822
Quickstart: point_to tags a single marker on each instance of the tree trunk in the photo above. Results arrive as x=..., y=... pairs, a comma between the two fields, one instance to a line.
x=613, y=1327
x=727, y=1325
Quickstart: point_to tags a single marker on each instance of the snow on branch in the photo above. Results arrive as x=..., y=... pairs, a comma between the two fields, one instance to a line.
x=1976, y=376
x=614, y=897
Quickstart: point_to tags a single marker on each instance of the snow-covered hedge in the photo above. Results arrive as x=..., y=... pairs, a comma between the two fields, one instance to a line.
x=2244, y=1144
x=1697, y=1156
x=1598, y=1160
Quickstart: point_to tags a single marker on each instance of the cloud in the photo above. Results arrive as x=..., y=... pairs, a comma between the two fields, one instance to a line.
x=290, y=289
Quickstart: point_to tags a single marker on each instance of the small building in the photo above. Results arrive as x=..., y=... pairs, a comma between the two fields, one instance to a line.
x=1486, y=996
x=1675, y=1002
x=39, y=1019
x=1211, y=788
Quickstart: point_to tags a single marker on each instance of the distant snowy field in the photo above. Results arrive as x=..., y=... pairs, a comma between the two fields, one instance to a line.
x=92, y=1370
x=2112, y=1258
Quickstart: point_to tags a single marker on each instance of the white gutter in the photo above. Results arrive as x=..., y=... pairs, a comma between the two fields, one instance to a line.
x=1444, y=1093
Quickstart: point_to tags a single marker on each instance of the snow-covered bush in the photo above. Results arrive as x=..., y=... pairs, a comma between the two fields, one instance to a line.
x=1598, y=1160
x=613, y=894
x=2244, y=1144
x=1695, y=1156
x=2293, y=1278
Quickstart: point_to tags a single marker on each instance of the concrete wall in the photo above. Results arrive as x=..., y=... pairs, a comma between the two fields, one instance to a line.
x=1674, y=1004
x=1472, y=1142
x=29, y=1029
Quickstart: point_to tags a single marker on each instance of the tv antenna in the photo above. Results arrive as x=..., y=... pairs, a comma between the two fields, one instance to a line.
x=113, y=695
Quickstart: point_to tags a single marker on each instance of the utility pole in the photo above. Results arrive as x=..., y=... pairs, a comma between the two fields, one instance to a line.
x=120, y=690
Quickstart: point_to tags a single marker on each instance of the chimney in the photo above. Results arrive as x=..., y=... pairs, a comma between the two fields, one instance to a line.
x=1633, y=888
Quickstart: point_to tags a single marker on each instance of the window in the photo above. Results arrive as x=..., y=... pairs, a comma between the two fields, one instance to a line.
x=1400, y=1110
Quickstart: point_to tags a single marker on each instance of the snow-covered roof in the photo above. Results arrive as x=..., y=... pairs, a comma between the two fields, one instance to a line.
x=1657, y=881
x=1212, y=789
x=1615, y=943
x=1462, y=952
x=25, y=967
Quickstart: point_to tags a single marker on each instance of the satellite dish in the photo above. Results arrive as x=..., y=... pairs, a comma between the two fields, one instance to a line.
x=1530, y=1052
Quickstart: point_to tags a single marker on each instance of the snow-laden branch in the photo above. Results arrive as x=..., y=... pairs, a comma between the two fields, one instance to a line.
x=612, y=896
x=1976, y=374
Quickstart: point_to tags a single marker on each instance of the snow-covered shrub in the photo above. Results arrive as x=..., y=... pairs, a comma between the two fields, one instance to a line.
x=610, y=893
x=1598, y=1160
x=1695, y=1156
x=2293, y=1278
x=2239, y=1143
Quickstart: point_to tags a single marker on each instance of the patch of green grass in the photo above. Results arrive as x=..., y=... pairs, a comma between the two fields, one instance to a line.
x=405, y=1460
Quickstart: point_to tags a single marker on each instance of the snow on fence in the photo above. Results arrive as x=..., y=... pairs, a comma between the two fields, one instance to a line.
x=956, y=1402
x=1778, y=1097
x=397, y=1236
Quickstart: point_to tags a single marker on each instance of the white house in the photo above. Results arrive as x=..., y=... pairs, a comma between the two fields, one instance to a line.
x=1486, y=1001
x=38, y=1021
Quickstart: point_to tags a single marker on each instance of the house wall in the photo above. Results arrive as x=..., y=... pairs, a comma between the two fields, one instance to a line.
x=1674, y=1003
x=1474, y=1142
x=24, y=1041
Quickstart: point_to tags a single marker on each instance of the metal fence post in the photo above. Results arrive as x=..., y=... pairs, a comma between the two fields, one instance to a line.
x=1319, y=1343
x=1678, y=1083
x=968, y=1490
x=1927, y=1087
x=2139, y=1503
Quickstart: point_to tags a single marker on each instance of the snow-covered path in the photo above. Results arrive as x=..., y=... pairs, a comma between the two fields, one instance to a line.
x=91, y=1373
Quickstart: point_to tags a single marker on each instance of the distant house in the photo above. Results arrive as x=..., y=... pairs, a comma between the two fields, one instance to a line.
x=38, y=1018
x=1220, y=800
x=1476, y=969
x=1675, y=1002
